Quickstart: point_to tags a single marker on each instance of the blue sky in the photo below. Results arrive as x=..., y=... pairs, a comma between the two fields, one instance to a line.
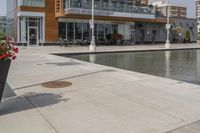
x=190, y=4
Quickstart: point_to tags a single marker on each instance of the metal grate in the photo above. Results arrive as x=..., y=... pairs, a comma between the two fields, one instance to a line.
x=56, y=84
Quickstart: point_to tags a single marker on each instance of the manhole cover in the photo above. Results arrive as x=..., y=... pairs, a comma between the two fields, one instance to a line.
x=56, y=84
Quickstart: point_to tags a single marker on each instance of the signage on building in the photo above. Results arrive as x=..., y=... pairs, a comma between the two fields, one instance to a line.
x=91, y=24
x=168, y=26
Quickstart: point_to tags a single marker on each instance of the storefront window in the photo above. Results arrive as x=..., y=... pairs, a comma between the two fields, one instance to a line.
x=108, y=31
x=62, y=30
x=100, y=31
x=86, y=31
x=24, y=26
x=78, y=31
x=70, y=31
x=81, y=31
x=115, y=29
x=95, y=31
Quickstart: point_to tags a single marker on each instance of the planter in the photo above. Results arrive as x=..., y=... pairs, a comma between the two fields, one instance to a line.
x=4, y=68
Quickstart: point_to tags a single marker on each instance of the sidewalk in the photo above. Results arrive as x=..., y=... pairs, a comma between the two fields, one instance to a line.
x=85, y=49
x=101, y=99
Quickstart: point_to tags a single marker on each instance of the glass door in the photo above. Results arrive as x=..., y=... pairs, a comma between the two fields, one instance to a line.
x=32, y=36
x=132, y=36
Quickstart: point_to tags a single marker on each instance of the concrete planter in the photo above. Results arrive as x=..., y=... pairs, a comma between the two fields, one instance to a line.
x=4, y=68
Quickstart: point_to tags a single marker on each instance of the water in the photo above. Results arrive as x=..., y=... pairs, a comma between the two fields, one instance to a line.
x=183, y=65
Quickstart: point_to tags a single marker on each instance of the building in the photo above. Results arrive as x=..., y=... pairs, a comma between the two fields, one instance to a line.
x=3, y=24
x=33, y=22
x=45, y=21
x=180, y=24
x=175, y=11
x=198, y=14
x=180, y=27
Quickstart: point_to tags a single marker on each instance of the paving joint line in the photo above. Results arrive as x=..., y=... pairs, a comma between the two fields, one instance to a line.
x=49, y=123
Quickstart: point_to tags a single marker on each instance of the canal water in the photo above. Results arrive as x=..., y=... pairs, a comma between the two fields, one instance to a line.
x=183, y=65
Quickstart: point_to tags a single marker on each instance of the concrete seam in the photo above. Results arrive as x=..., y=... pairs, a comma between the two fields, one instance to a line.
x=49, y=123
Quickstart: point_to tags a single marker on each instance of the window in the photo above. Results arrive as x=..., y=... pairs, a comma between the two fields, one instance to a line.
x=78, y=31
x=115, y=29
x=100, y=31
x=62, y=29
x=33, y=3
x=70, y=31
x=86, y=31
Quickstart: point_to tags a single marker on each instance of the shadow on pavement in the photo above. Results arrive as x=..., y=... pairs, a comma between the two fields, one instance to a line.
x=29, y=101
x=8, y=92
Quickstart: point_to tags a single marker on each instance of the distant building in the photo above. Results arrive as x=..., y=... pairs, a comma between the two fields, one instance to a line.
x=3, y=24
x=198, y=14
x=179, y=28
x=175, y=11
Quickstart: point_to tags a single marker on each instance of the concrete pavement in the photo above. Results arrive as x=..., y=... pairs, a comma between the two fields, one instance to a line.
x=101, y=99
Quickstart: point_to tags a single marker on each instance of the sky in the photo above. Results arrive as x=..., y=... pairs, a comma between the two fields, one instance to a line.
x=190, y=4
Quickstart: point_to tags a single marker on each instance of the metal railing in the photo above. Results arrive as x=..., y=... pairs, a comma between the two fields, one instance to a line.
x=33, y=3
x=106, y=6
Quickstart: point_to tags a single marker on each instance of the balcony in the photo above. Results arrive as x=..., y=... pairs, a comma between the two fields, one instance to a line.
x=32, y=3
x=108, y=9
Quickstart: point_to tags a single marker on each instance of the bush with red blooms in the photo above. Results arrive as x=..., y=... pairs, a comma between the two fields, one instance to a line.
x=7, y=48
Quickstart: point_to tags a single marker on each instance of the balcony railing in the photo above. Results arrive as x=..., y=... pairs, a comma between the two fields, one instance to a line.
x=32, y=3
x=105, y=8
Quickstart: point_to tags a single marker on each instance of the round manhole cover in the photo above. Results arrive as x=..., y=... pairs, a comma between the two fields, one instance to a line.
x=56, y=84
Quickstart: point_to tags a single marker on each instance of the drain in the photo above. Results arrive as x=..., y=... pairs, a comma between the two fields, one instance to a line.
x=56, y=84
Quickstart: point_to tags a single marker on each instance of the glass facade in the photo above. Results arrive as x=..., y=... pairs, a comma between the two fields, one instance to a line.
x=104, y=31
x=25, y=24
x=33, y=3
x=110, y=5
x=10, y=18
x=2, y=24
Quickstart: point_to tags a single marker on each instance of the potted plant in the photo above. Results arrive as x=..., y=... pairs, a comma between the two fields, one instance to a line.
x=7, y=53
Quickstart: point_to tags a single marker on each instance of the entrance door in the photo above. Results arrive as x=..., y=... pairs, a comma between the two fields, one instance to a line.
x=32, y=36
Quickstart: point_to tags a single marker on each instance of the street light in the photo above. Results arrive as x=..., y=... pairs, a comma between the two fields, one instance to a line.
x=168, y=26
x=92, y=44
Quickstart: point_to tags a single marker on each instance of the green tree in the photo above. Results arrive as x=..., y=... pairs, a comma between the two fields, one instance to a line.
x=187, y=36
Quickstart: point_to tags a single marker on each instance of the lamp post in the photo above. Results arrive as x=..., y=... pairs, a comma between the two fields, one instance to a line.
x=167, y=44
x=92, y=44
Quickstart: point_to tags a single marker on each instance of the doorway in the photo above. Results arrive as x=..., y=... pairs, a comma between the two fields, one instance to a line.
x=33, y=36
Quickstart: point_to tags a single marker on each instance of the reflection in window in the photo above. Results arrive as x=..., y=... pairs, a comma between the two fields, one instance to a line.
x=100, y=31
x=115, y=29
x=70, y=31
x=108, y=31
x=78, y=30
x=86, y=31
x=62, y=29
x=34, y=3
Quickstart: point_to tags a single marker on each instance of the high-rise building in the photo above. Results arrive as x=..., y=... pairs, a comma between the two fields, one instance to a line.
x=198, y=14
x=3, y=24
x=175, y=11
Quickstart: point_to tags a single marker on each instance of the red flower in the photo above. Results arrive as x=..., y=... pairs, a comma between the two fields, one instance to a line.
x=1, y=57
x=13, y=57
x=7, y=49
x=16, y=50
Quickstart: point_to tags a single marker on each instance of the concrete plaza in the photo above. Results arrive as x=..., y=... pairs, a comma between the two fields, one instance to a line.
x=101, y=99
